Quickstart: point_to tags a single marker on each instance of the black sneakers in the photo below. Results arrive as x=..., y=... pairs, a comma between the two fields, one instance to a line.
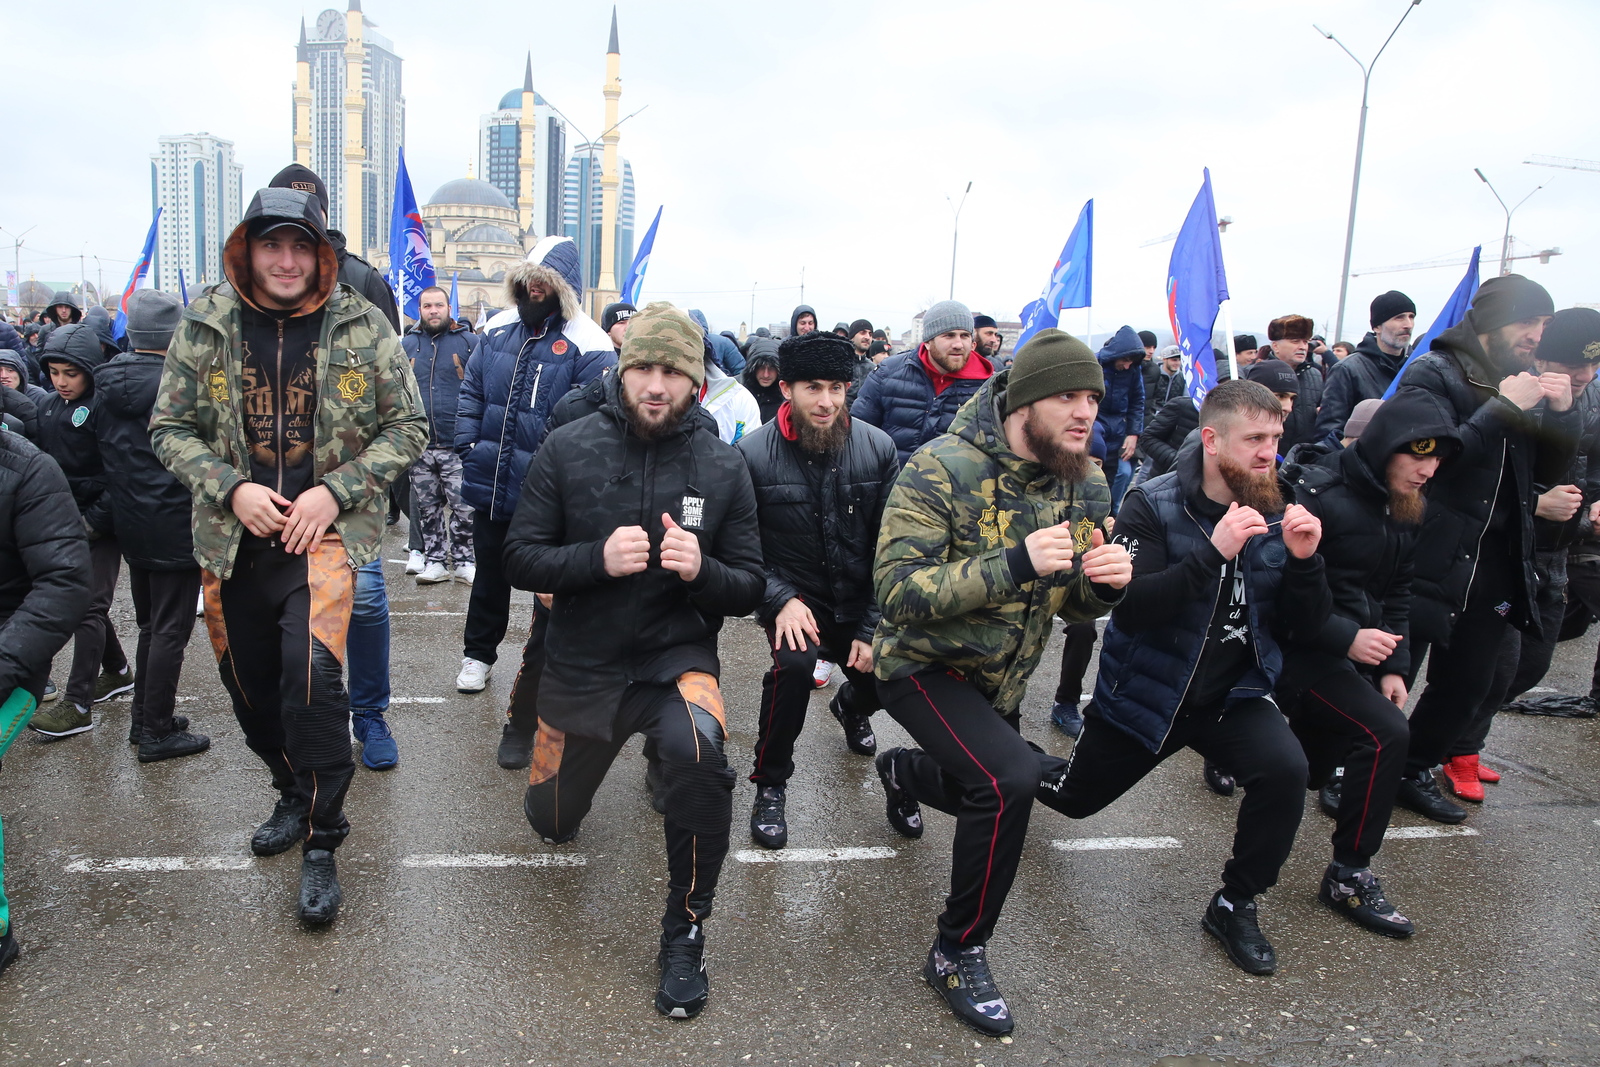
x=10, y=949
x=319, y=887
x=684, y=987
x=904, y=813
x=1358, y=896
x=857, y=729
x=136, y=735
x=1420, y=793
x=967, y=986
x=1235, y=926
x=177, y=743
x=1217, y=781
x=516, y=748
x=1331, y=793
x=286, y=826
x=768, y=827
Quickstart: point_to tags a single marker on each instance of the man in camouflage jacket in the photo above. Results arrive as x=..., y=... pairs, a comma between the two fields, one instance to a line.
x=991, y=531
x=287, y=407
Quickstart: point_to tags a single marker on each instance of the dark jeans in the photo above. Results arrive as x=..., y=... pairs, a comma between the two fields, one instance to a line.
x=974, y=765
x=687, y=725
x=279, y=627
x=1460, y=676
x=786, y=691
x=1251, y=741
x=163, y=602
x=1522, y=664
x=1343, y=719
x=1076, y=655
x=95, y=647
x=368, y=658
x=489, y=606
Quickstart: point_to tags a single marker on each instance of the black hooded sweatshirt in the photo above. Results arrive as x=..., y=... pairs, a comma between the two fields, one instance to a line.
x=66, y=427
x=763, y=352
x=1369, y=555
x=590, y=477
x=1363, y=375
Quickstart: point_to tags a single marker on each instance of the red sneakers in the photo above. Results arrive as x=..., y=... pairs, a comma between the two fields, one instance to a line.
x=1488, y=774
x=1462, y=774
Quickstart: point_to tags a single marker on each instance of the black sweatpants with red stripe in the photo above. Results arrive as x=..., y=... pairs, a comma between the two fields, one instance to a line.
x=1344, y=720
x=972, y=764
x=786, y=691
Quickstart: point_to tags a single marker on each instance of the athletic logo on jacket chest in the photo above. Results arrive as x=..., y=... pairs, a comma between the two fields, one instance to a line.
x=993, y=523
x=694, y=512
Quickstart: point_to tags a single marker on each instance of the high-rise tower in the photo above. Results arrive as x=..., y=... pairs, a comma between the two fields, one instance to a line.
x=355, y=148
x=302, y=99
x=606, y=287
x=200, y=190
x=526, y=126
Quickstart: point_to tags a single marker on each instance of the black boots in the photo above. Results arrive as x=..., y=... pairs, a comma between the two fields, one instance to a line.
x=1420, y=793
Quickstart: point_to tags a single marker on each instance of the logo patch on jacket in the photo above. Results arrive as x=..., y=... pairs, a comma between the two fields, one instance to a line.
x=559, y=348
x=218, y=384
x=352, y=385
x=80, y=416
x=694, y=512
x=993, y=524
x=1082, y=535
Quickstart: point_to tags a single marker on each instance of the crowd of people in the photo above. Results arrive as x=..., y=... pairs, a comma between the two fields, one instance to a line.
x=1273, y=563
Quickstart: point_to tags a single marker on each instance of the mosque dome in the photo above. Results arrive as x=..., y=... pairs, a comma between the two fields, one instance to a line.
x=512, y=101
x=469, y=191
x=486, y=233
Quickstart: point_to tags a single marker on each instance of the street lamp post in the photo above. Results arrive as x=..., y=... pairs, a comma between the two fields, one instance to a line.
x=955, y=235
x=1361, y=137
x=1505, y=242
x=16, y=253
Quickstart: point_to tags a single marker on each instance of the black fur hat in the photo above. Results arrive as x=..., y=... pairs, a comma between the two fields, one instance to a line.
x=816, y=357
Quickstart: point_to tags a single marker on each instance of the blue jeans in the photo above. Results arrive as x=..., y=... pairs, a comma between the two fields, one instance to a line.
x=1119, y=484
x=367, y=649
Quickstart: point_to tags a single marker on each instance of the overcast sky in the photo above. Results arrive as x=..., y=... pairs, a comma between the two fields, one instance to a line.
x=827, y=136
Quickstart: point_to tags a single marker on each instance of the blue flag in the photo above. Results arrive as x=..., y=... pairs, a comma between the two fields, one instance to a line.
x=1071, y=283
x=119, y=325
x=455, y=305
x=641, y=262
x=410, y=262
x=1196, y=287
x=1455, y=309
x=183, y=289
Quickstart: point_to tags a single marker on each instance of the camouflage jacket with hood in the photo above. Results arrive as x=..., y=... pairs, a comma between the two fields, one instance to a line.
x=944, y=581
x=369, y=424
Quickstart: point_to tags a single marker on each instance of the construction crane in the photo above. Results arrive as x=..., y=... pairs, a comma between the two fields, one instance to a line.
x=1563, y=164
x=1461, y=259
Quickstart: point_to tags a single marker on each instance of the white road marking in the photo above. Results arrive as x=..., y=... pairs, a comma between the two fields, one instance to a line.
x=490, y=859
x=1096, y=844
x=1411, y=833
x=161, y=863
x=421, y=614
x=402, y=562
x=814, y=855
x=417, y=700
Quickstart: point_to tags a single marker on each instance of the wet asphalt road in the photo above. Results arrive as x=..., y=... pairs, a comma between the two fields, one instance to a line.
x=1099, y=951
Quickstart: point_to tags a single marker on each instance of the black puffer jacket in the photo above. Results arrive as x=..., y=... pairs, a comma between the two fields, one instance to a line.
x=1363, y=375
x=44, y=563
x=365, y=279
x=1165, y=434
x=763, y=352
x=589, y=478
x=150, y=507
x=1368, y=555
x=821, y=550
x=66, y=427
x=1500, y=443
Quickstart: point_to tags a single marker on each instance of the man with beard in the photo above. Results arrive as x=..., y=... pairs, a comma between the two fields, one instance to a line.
x=614, y=321
x=820, y=482
x=529, y=356
x=643, y=526
x=986, y=337
x=1365, y=374
x=441, y=350
x=990, y=532
x=914, y=396
x=1475, y=554
x=1221, y=572
x=1344, y=688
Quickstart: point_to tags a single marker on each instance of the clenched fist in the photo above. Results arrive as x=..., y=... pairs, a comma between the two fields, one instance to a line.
x=627, y=551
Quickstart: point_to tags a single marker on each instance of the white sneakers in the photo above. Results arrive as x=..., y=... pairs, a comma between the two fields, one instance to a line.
x=821, y=673
x=415, y=563
x=432, y=573
x=474, y=676
x=465, y=572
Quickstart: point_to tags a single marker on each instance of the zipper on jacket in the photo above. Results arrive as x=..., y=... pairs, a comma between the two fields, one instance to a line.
x=1202, y=654
x=277, y=406
x=1477, y=552
x=533, y=394
x=500, y=452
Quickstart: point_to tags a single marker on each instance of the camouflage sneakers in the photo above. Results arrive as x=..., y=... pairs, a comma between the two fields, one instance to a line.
x=964, y=981
x=1358, y=896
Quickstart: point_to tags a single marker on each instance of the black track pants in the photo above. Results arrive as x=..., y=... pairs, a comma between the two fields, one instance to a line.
x=163, y=602
x=786, y=691
x=1076, y=655
x=489, y=603
x=687, y=726
x=279, y=627
x=1343, y=720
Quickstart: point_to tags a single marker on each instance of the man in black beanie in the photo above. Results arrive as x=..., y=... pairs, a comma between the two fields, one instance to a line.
x=1367, y=372
x=1475, y=554
x=986, y=336
x=821, y=480
x=614, y=321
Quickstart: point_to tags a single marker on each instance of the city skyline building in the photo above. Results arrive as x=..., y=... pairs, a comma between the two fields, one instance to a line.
x=199, y=188
x=349, y=120
x=584, y=211
x=500, y=155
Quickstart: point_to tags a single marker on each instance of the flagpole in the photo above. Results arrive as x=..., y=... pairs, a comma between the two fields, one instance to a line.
x=1227, y=338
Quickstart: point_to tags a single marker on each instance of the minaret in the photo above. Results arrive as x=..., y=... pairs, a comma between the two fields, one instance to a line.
x=525, y=161
x=606, y=289
x=355, y=107
x=302, y=100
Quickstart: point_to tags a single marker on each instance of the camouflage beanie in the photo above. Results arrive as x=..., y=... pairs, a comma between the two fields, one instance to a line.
x=662, y=335
x=1051, y=363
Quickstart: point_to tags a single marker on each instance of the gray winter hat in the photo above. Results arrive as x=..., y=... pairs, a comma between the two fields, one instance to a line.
x=152, y=318
x=945, y=316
